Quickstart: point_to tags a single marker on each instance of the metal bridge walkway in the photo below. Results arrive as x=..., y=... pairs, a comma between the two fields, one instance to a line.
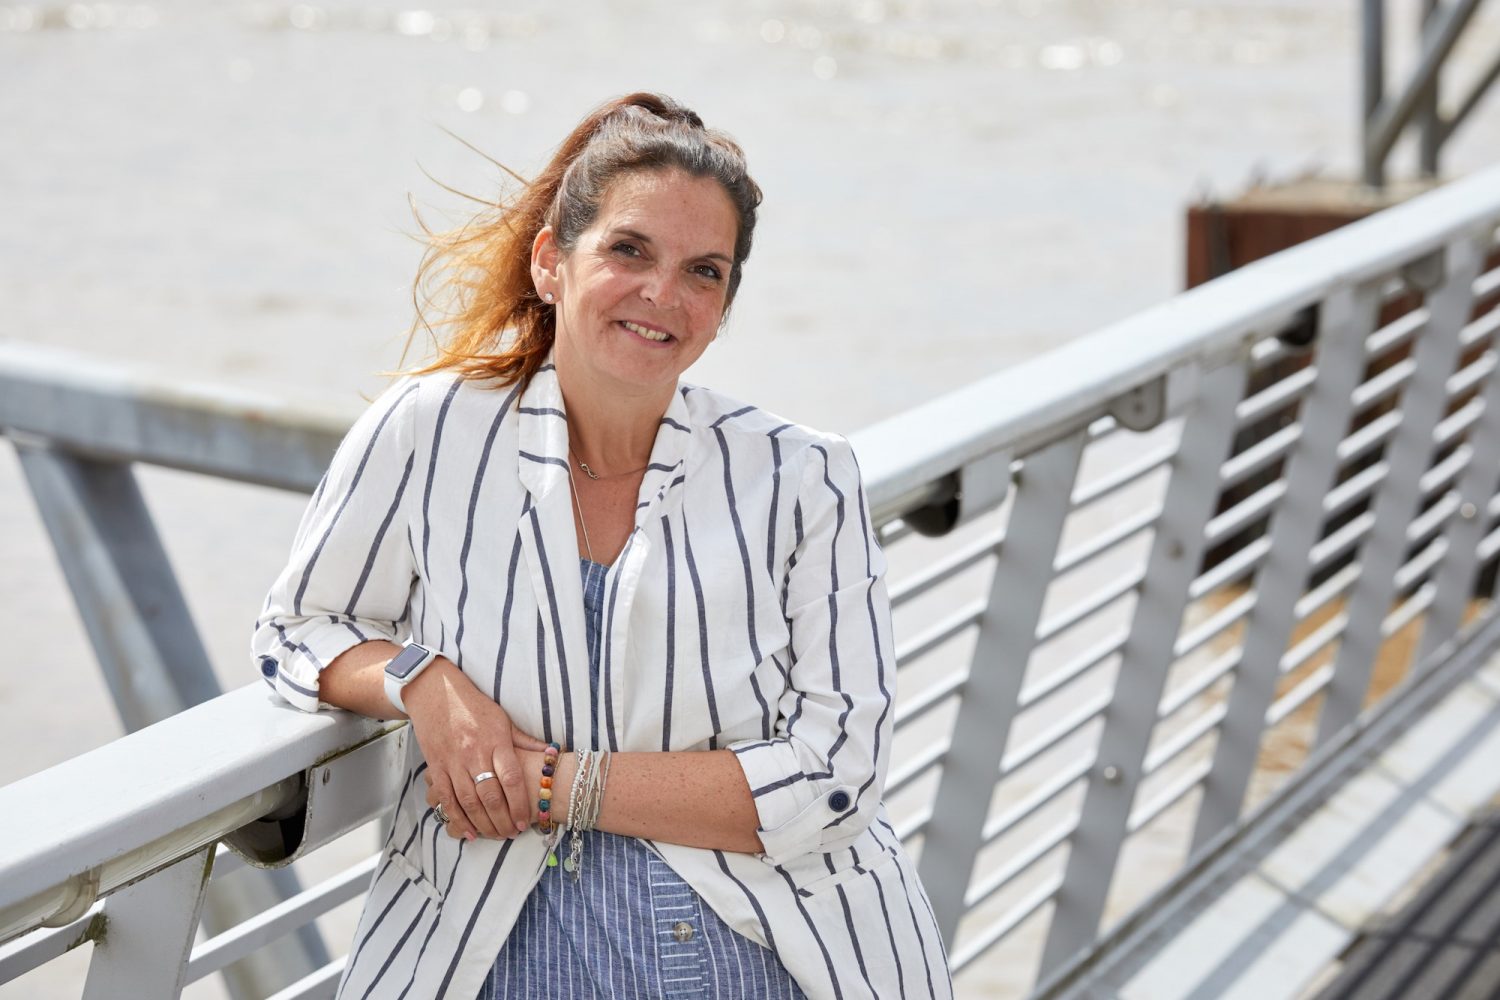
x=1312, y=900
x=1446, y=942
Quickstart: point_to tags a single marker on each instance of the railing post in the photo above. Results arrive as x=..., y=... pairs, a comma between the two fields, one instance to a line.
x=1455, y=576
x=1007, y=633
x=148, y=933
x=1409, y=453
x=123, y=584
x=1345, y=320
x=1176, y=555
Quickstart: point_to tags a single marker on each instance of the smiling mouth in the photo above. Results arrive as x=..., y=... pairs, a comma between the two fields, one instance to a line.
x=646, y=333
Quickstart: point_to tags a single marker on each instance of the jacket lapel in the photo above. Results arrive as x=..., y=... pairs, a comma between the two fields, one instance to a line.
x=661, y=492
x=550, y=544
x=548, y=540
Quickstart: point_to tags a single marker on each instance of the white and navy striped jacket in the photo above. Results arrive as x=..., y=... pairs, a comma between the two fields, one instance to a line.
x=747, y=611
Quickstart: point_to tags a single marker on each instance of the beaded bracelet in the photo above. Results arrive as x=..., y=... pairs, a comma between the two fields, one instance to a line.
x=544, y=800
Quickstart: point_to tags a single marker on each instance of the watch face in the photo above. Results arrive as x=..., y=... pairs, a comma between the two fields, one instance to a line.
x=409, y=659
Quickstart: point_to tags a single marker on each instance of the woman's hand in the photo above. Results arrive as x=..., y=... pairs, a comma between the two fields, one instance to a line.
x=463, y=733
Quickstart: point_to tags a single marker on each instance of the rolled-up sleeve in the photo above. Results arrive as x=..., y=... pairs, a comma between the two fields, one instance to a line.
x=350, y=575
x=817, y=785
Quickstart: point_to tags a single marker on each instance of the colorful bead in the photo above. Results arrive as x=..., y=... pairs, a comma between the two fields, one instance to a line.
x=544, y=805
x=546, y=782
x=548, y=770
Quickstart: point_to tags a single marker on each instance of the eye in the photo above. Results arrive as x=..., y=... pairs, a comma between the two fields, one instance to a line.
x=626, y=249
x=708, y=271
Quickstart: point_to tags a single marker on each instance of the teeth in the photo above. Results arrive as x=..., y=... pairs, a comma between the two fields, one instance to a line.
x=644, y=332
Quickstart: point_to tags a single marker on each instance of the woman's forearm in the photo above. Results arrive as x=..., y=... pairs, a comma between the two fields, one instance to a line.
x=698, y=798
x=356, y=680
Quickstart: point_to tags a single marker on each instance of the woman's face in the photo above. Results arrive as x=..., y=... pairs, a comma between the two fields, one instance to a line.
x=643, y=292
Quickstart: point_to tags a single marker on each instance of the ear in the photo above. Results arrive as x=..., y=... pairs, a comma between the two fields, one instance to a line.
x=545, y=258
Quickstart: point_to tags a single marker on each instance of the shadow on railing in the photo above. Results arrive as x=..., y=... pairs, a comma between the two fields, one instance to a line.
x=1087, y=700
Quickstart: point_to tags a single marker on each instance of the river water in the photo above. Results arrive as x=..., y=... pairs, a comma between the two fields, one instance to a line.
x=221, y=193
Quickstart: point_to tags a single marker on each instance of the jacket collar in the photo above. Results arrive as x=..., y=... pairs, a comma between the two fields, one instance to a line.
x=543, y=462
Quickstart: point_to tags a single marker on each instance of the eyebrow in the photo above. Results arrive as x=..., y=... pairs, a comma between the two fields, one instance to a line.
x=638, y=235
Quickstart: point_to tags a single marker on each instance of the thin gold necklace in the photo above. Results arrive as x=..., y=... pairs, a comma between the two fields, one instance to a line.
x=573, y=489
x=594, y=475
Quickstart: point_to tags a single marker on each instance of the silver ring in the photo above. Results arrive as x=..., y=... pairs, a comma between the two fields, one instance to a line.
x=485, y=776
x=442, y=817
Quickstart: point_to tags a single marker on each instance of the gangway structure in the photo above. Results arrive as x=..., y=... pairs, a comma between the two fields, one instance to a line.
x=1195, y=626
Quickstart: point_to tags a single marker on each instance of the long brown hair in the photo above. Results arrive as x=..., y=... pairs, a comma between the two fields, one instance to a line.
x=474, y=282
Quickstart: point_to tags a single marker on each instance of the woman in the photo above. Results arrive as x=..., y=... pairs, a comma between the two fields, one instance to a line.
x=543, y=538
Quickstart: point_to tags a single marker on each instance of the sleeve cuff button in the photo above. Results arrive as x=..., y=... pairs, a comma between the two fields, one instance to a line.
x=267, y=667
x=838, y=801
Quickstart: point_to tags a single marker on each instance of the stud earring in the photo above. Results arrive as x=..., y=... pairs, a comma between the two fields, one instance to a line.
x=549, y=297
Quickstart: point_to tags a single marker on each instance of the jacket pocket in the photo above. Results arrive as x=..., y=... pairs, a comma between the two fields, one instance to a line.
x=414, y=874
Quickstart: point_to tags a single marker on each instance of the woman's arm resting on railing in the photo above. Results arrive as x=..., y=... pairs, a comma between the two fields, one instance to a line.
x=337, y=612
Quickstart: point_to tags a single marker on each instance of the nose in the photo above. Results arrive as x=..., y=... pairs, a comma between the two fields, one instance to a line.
x=661, y=289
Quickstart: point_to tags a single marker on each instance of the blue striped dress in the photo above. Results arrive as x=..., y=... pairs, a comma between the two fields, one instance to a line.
x=629, y=927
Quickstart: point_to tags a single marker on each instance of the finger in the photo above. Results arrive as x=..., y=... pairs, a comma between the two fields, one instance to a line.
x=458, y=824
x=492, y=796
x=468, y=798
x=513, y=781
x=427, y=777
x=526, y=741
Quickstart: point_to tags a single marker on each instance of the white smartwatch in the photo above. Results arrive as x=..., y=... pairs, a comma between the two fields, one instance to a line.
x=404, y=668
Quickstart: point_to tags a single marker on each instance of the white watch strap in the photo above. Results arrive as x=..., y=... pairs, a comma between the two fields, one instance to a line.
x=393, y=693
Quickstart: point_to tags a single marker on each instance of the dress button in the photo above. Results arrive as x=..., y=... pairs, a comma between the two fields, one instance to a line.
x=682, y=931
x=838, y=801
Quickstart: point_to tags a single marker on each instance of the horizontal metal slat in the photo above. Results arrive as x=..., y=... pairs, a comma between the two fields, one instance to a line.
x=1056, y=733
x=1122, y=477
x=1273, y=397
x=1239, y=564
x=1268, y=450
x=905, y=773
x=1169, y=796
x=1304, y=691
x=1094, y=602
x=935, y=635
x=1035, y=900
x=1119, y=533
x=1020, y=863
x=946, y=568
x=1072, y=670
x=1189, y=734
x=318, y=985
x=908, y=710
x=1062, y=780
x=1214, y=626
x=1216, y=670
x=283, y=918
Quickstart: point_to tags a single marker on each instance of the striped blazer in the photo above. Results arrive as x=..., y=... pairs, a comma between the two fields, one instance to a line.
x=747, y=611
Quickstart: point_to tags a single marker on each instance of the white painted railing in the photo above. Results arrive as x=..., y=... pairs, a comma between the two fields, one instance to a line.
x=1135, y=580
